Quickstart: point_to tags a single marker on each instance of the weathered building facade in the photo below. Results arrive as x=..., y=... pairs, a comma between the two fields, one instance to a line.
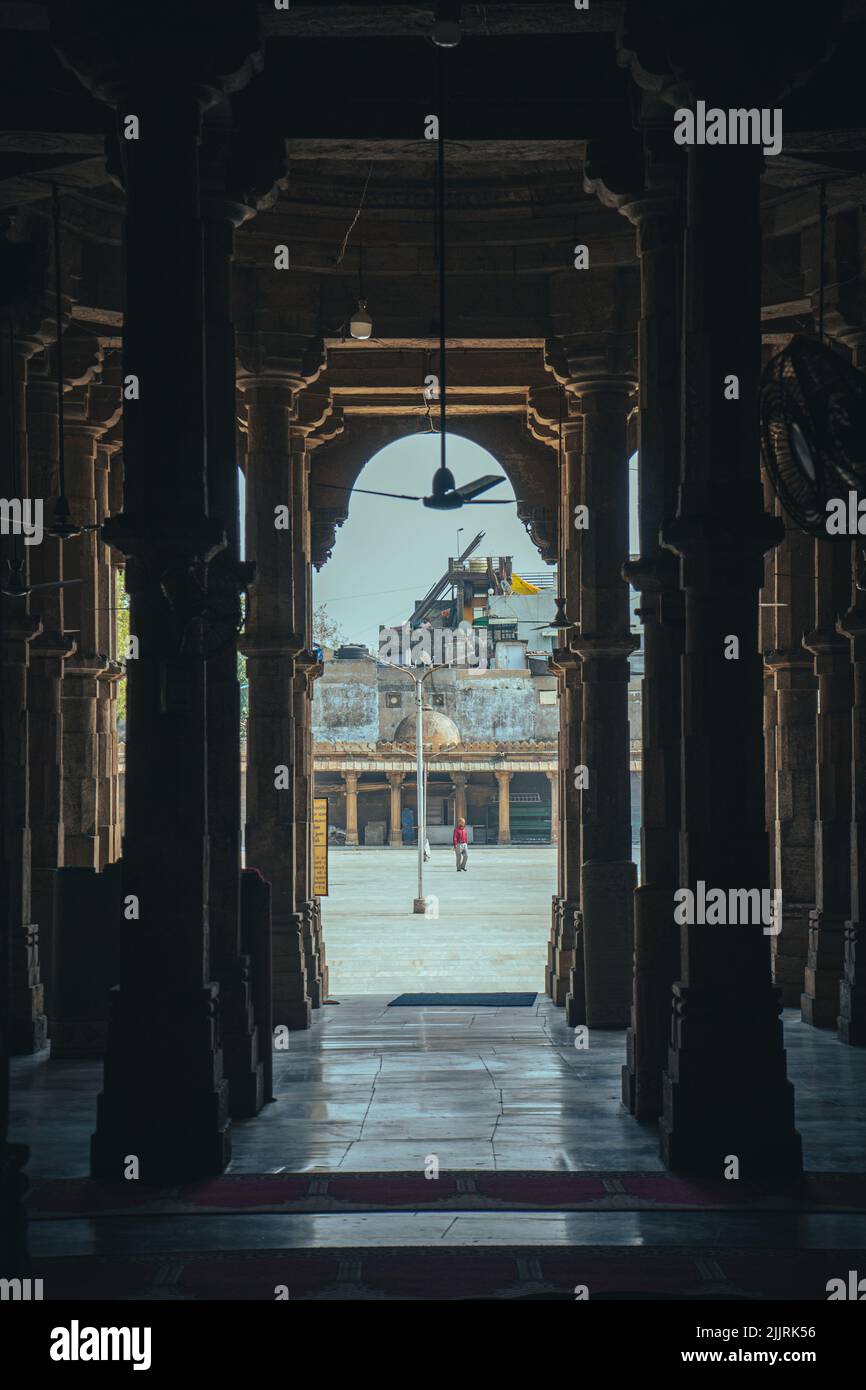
x=490, y=742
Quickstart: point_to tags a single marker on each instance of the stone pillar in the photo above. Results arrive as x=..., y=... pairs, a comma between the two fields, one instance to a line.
x=565, y=971
x=165, y=1099
x=395, y=838
x=852, y=990
x=725, y=1089
x=227, y=579
x=819, y=1004
x=766, y=642
x=272, y=644
x=45, y=675
x=303, y=699
x=796, y=709
x=311, y=411
x=24, y=1019
x=504, y=780
x=553, y=779
x=604, y=645
x=351, y=781
x=108, y=829
x=459, y=780
x=82, y=671
x=659, y=220
x=572, y=991
x=571, y=986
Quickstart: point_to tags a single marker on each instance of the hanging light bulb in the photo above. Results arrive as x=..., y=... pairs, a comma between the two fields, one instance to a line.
x=360, y=324
x=446, y=33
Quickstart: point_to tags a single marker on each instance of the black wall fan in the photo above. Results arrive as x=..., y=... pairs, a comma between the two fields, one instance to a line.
x=813, y=431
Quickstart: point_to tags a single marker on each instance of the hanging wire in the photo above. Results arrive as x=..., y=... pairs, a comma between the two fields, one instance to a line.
x=440, y=169
x=17, y=558
x=58, y=315
x=822, y=243
x=342, y=251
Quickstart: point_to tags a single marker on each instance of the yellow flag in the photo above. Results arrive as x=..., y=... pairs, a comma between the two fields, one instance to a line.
x=520, y=586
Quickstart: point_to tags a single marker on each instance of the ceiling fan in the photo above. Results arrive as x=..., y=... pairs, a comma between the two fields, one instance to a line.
x=444, y=496
x=14, y=585
x=559, y=622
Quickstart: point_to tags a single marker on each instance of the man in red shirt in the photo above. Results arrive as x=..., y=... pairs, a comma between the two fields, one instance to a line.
x=461, y=844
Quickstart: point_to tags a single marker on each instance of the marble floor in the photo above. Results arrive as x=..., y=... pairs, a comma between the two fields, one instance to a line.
x=491, y=932
x=370, y=1088
x=373, y=1088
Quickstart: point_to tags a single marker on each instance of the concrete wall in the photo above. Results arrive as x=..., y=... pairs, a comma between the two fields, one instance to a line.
x=350, y=703
x=346, y=703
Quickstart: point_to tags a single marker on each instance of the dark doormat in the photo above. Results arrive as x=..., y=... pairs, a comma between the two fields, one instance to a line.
x=463, y=1001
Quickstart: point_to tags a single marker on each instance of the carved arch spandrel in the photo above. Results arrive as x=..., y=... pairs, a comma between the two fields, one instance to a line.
x=530, y=467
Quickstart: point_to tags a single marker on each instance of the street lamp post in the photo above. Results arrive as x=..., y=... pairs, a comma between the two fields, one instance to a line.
x=418, y=678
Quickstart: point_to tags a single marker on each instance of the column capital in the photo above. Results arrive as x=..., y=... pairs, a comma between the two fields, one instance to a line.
x=266, y=359
x=157, y=51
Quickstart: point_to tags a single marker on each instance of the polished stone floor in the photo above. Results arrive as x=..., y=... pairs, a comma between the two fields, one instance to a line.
x=373, y=1088
x=491, y=932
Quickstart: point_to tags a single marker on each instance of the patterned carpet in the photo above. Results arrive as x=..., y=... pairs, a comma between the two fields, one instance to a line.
x=53, y=1199
x=449, y=1274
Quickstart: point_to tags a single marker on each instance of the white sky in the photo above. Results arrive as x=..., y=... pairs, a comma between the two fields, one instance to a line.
x=389, y=553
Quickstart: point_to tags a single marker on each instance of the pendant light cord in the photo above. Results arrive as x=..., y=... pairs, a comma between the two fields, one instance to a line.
x=58, y=315
x=441, y=223
x=16, y=462
x=822, y=242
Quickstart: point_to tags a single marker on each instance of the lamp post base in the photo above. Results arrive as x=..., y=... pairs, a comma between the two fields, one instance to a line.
x=420, y=905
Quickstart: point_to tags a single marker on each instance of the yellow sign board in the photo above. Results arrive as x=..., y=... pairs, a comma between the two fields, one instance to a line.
x=320, y=846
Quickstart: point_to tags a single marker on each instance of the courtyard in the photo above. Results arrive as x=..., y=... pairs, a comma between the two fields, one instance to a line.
x=491, y=932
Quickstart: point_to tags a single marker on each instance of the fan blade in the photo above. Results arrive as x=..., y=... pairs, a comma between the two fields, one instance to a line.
x=489, y=501
x=470, y=490
x=369, y=492
x=54, y=584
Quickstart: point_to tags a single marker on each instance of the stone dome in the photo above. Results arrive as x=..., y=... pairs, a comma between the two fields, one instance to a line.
x=439, y=731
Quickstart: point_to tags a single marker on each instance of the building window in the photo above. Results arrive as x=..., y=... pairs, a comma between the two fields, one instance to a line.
x=392, y=699
x=547, y=697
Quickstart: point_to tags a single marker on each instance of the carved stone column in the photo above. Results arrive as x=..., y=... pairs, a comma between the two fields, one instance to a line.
x=819, y=1003
x=165, y=1099
x=661, y=609
x=645, y=181
x=852, y=991
x=504, y=780
x=107, y=798
x=553, y=779
x=604, y=645
x=395, y=780
x=88, y=411
x=273, y=645
x=565, y=970
x=47, y=653
x=227, y=579
x=351, y=781
x=25, y=1020
x=796, y=709
x=459, y=780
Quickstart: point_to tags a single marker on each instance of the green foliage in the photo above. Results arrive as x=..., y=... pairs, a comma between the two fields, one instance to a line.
x=326, y=631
